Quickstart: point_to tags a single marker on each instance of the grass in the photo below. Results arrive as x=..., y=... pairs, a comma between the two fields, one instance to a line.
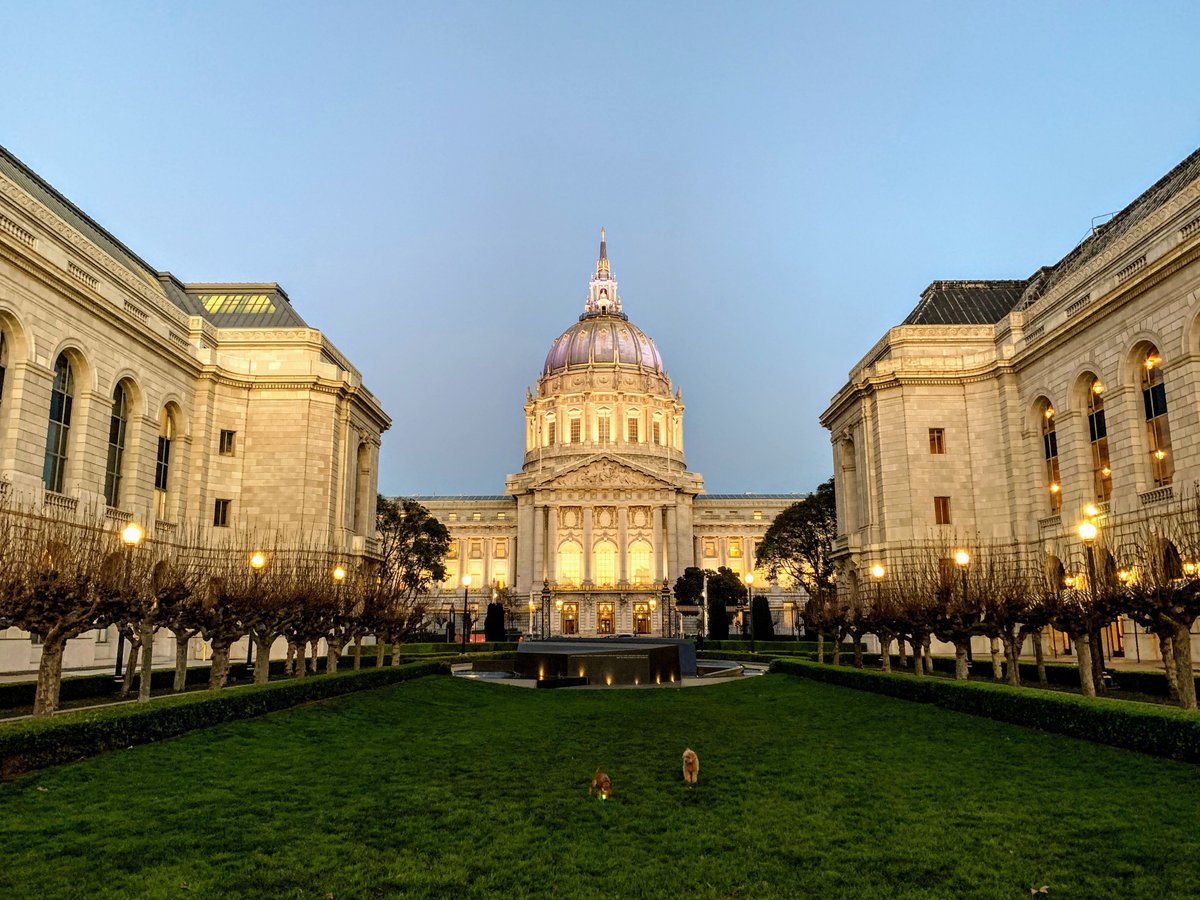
x=448, y=788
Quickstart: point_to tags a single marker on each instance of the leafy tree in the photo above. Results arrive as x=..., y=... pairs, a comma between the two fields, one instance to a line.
x=413, y=548
x=761, y=622
x=493, y=622
x=799, y=543
x=718, y=621
x=689, y=587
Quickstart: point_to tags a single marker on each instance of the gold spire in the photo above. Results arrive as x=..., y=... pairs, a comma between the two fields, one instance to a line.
x=602, y=262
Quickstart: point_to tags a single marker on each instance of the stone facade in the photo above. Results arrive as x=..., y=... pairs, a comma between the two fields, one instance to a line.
x=604, y=511
x=1021, y=403
x=211, y=407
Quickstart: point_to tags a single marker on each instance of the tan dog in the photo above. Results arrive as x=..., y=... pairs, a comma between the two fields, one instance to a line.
x=601, y=784
x=691, y=766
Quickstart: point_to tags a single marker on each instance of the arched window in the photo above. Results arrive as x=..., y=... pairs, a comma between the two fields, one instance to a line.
x=639, y=562
x=62, y=397
x=551, y=435
x=632, y=421
x=570, y=563
x=603, y=426
x=1158, y=430
x=162, y=464
x=3, y=362
x=118, y=421
x=1050, y=453
x=1098, y=435
x=605, y=569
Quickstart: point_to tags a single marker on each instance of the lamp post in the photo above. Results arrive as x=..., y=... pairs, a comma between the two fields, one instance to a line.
x=704, y=606
x=131, y=535
x=258, y=561
x=466, y=583
x=962, y=559
x=749, y=578
x=877, y=573
x=545, y=609
x=532, y=612
x=668, y=615
x=1087, y=533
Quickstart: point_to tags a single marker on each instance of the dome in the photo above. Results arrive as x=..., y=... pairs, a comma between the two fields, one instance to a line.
x=600, y=339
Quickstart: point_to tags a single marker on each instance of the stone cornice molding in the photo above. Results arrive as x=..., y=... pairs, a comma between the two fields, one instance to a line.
x=86, y=249
x=1155, y=221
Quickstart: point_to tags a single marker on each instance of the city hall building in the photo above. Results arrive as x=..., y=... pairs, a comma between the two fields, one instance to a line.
x=128, y=394
x=1002, y=410
x=604, y=514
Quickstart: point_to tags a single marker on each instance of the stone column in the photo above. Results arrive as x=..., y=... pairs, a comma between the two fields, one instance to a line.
x=622, y=545
x=552, y=543
x=587, y=545
x=525, y=577
x=539, y=547
x=487, y=563
x=671, y=557
x=657, y=536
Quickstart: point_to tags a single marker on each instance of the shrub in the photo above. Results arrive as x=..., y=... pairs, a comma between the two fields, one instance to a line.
x=1157, y=730
x=34, y=744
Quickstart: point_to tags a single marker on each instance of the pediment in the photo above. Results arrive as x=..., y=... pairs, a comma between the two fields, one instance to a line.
x=605, y=473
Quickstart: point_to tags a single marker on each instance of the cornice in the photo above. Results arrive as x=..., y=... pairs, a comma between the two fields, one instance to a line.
x=85, y=248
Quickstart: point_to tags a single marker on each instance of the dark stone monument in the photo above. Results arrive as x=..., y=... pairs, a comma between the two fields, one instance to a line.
x=606, y=661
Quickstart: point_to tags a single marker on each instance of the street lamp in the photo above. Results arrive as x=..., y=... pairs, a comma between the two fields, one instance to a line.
x=668, y=615
x=258, y=561
x=962, y=559
x=1087, y=534
x=749, y=578
x=466, y=583
x=131, y=535
x=650, y=624
x=545, y=608
x=532, y=611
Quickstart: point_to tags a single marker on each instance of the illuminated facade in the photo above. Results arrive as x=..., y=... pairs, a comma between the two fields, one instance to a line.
x=604, y=510
x=127, y=393
x=1000, y=410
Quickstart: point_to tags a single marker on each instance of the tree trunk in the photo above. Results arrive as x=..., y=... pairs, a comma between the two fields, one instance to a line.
x=1012, y=653
x=333, y=653
x=885, y=657
x=1083, y=652
x=821, y=646
x=379, y=651
x=314, y=656
x=1166, y=647
x=219, y=674
x=1098, y=661
x=858, y=652
x=836, y=656
x=997, y=667
x=262, y=664
x=296, y=651
x=1182, y=645
x=135, y=647
x=181, y=648
x=903, y=656
x=918, y=665
x=147, y=662
x=1039, y=656
x=357, y=652
x=49, y=679
x=961, y=672
x=928, y=654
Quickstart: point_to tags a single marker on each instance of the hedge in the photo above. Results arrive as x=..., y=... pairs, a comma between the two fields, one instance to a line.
x=1157, y=730
x=36, y=743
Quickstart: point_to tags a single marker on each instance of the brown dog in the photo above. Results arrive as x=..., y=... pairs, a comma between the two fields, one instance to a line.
x=691, y=766
x=601, y=784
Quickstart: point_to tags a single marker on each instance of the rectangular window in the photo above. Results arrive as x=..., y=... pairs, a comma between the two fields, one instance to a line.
x=476, y=517
x=550, y=434
x=221, y=514
x=657, y=432
x=735, y=548
x=577, y=431
x=937, y=440
x=941, y=510
x=758, y=515
x=476, y=550
x=603, y=426
x=633, y=431
x=226, y=443
x=710, y=549
x=501, y=549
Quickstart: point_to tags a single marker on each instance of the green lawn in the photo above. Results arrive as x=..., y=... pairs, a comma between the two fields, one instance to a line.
x=448, y=788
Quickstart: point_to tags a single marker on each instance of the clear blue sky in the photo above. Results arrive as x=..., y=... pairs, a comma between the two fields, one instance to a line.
x=427, y=180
